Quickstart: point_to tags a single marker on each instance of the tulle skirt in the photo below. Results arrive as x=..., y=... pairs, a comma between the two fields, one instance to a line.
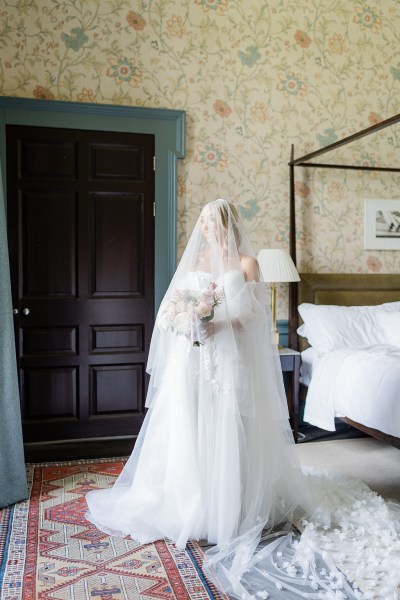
x=200, y=469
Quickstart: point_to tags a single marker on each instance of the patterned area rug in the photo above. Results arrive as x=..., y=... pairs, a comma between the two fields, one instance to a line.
x=49, y=551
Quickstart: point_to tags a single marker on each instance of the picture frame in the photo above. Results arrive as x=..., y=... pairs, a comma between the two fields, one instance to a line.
x=382, y=224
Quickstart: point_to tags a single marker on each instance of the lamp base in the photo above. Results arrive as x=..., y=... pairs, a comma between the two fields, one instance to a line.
x=275, y=338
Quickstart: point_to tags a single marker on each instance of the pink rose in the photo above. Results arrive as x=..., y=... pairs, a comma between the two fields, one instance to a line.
x=203, y=310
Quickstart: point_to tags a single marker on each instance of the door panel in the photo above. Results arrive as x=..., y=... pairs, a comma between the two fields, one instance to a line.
x=117, y=161
x=115, y=381
x=50, y=340
x=41, y=402
x=55, y=159
x=81, y=238
x=117, y=245
x=48, y=240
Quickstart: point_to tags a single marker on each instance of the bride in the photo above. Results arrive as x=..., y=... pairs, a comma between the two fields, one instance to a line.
x=215, y=457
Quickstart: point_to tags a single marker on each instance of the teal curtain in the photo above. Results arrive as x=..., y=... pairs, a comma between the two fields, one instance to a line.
x=13, y=486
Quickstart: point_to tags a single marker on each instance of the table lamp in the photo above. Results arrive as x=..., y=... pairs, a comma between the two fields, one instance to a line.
x=276, y=266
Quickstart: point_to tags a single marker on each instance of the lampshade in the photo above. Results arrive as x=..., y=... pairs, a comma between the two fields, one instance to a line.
x=277, y=265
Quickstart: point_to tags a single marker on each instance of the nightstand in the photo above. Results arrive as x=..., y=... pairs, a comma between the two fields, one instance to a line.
x=290, y=363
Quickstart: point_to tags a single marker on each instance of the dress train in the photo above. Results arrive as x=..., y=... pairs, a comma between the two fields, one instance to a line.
x=348, y=549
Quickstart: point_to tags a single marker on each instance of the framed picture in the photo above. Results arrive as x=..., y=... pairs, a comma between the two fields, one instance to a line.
x=382, y=224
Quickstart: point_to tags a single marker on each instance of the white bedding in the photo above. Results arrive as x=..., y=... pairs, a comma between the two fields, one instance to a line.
x=361, y=383
x=308, y=360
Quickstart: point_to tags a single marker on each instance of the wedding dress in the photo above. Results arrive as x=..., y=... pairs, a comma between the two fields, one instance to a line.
x=215, y=457
x=202, y=456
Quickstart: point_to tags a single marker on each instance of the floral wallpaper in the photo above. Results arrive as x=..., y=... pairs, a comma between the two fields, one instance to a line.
x=254, y=77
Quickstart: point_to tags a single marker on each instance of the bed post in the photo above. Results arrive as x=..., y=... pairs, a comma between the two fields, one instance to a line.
x=293, y=286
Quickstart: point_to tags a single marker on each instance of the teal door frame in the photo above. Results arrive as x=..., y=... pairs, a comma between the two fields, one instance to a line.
x=168, y=127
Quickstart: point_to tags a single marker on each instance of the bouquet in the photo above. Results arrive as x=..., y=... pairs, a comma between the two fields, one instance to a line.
x=182, y=312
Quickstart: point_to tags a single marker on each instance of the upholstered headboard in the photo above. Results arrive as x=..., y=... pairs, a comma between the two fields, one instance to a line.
x=347, y=289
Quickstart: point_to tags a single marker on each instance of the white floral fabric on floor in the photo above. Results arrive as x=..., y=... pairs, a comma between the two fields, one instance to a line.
x=349, y=548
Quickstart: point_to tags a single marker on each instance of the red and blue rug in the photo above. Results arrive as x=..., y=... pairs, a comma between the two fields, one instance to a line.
x=49, y=551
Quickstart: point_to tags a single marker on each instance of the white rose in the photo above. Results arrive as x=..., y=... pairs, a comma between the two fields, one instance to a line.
x=166, y=316
x=181, y=306
x=164, y=322
x=170, y=311
x=182, y=323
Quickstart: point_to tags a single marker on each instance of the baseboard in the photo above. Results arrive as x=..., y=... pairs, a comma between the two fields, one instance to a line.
x=76, y=449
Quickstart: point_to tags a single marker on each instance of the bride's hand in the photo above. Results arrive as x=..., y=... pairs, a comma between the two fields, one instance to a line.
x=208, y=329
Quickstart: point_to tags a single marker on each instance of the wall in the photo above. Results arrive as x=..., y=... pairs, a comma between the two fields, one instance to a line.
x=254, y=76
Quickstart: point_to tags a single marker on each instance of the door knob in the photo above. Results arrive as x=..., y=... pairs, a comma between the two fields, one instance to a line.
x=15, y=311
x=25, y=311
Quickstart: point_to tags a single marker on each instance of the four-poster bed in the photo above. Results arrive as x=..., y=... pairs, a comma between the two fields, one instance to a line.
x=341, y=290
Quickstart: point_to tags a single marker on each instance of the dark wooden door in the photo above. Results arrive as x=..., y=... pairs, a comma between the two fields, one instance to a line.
x=81, y=238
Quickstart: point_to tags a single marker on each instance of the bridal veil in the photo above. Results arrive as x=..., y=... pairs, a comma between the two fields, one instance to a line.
x=215, y=458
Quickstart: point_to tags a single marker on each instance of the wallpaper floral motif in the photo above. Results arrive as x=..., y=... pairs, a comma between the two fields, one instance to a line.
x=254, y=77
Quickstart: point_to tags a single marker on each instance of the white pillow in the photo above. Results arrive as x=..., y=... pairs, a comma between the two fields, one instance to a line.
x=328, y=327
x=390, y=325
